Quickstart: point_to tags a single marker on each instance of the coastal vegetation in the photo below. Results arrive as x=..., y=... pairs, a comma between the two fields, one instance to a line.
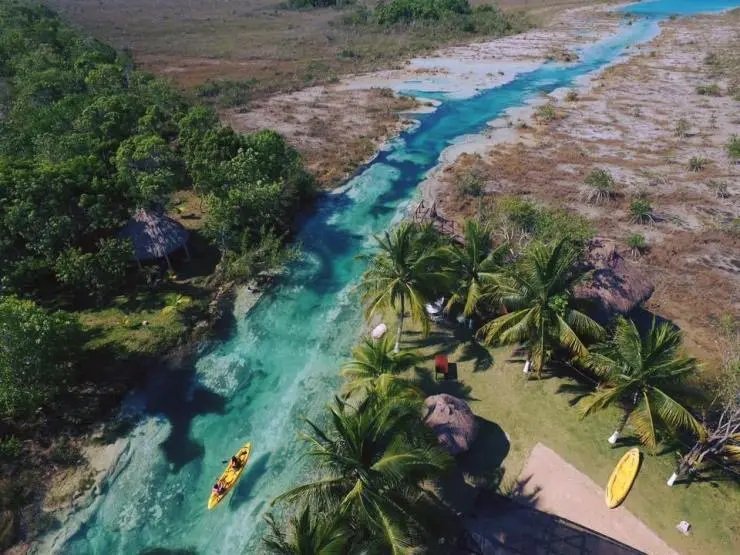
x=378, y=473
x=600, y=186
x=87, y=141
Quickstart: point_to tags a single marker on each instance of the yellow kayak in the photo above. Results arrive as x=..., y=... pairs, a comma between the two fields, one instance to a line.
x=230, y=476
x=622, y=477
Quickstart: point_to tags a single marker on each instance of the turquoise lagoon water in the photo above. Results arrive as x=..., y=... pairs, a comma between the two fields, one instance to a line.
x=280, y=363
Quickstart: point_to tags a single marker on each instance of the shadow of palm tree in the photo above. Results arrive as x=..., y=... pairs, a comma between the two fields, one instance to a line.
x=424, y=380
x=577, y=391
x=481, y=357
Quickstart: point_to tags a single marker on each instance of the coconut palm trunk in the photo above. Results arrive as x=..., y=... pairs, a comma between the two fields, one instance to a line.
x=401, y=314
x=628, y=410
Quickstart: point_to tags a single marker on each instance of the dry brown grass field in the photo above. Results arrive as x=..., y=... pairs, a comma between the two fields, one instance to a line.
x=277, y=49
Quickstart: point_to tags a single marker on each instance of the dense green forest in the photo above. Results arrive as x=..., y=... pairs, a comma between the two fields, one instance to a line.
x=86, y=139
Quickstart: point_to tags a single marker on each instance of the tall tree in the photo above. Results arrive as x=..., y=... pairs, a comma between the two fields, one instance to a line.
x=538, y=293
x=37, y=355
x=402, y=276
x=374, y=365
x=472, y=264
x=644, y=375
x=308, y=534
x=373, y=464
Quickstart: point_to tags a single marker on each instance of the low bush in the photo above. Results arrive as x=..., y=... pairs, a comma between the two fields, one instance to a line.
x=302, y=4
x=571, y=95
x=10, y=448
x=637, y=244
x=682, y=128
x=471, y=185
x=600, y=186
x=225, y=92
x=709, y=90
x=518, y=221
x=641, y=211
x=409, y=11
x=698, y=163
x=546, y=112
x=452, y=15
x=719, y=188
x=733, y=148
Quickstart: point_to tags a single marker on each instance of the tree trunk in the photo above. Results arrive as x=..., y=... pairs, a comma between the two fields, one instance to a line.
x=622, y=423
x=401, y=314
x=527, y=365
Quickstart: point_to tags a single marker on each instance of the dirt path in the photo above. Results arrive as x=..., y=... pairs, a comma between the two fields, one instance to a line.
x=552, y=485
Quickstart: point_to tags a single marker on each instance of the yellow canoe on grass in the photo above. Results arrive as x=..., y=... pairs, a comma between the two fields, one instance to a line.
x=230, y=477
x=622, y=478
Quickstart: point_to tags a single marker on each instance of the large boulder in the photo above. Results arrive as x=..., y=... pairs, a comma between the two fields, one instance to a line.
x=452, y=421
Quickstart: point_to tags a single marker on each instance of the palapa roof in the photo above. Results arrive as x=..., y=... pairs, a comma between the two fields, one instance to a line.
x=153, y=234
x=452, y=421
x=616, y=286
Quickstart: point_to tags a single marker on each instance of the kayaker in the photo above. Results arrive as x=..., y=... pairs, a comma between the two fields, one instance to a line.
x=235, y=463
x=218, y=488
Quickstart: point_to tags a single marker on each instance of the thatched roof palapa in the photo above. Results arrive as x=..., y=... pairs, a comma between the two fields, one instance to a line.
x=154, y=235
x=452, y=421
x=616, y=286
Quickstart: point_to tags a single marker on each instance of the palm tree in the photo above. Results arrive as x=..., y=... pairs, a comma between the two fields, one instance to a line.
x=644, y=375
x=309, y=535
x=539, y=294
x=375, y=367
x=373, y=465
x=473, y=264
x=401, y=276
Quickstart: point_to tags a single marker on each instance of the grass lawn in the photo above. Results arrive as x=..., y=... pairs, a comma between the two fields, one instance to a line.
x=532, y=411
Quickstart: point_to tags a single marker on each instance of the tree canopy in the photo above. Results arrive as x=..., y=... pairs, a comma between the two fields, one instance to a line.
x=86, y=139
x=37, y=355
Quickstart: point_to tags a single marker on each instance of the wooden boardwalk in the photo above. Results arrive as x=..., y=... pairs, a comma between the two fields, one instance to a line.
x=424, y=214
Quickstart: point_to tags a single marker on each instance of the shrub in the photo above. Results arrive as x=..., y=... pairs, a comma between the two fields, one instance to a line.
x=733, y=148
x=709, y=90
x=301, y=4
x=600, y=186
x=719, y=188
x=682, y=128
x=408, y=11
x=571, y=95
x=97, y=274
x=697, y=163
x=546, y=112
x=637, y=244
x=37, y=355
x=641, y=211
x=65, y=453
x=518, y=220
x=225, y=92
x=358, y=16
x=10, y=448
x=471, y=185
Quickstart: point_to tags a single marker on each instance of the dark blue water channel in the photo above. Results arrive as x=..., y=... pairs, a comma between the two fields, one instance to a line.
x=280, y=363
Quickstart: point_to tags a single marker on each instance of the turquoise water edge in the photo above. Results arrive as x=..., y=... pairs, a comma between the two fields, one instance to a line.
x=280, y=363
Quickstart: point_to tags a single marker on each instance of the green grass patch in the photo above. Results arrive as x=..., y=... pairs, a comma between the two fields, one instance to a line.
x=532, y=411
x=146, y=324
